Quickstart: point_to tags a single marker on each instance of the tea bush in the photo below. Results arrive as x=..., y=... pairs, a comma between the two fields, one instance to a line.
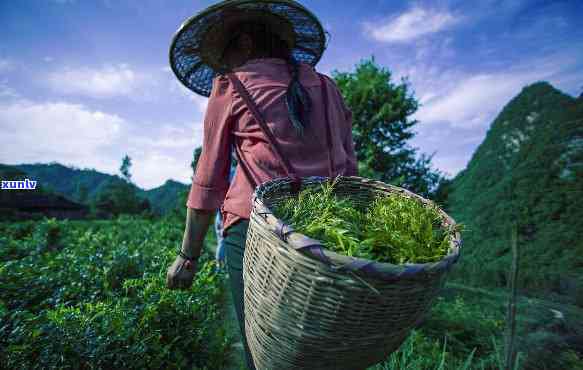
x=100, y=301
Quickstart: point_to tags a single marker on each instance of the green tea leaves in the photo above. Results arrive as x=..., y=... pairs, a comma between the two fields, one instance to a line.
x=394, y=228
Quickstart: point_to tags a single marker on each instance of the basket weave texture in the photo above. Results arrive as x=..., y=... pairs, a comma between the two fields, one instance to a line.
x=309, y=308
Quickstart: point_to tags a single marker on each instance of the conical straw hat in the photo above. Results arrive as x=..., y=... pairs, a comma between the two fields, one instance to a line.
x=197, y=46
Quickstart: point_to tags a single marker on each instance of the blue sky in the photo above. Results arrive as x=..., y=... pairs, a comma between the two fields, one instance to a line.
x=84, y=82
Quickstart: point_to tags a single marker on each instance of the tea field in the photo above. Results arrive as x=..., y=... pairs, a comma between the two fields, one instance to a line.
x=92, y=295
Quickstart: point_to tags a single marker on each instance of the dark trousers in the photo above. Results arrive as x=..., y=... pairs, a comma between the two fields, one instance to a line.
x=235, y=237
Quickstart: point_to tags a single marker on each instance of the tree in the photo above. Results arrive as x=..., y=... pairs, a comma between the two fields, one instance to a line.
x=381, y=127
x=441, y=194
x=120, y=196
x=126, y=164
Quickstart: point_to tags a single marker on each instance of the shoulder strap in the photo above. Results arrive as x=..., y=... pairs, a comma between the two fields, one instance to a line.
x=248, y=100
x=296, y=181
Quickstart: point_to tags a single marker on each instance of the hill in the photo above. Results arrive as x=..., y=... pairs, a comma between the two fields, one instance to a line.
x=529, y=169
x=166, y=197
x=84, y=185
x=68, y=181
x=32, y=203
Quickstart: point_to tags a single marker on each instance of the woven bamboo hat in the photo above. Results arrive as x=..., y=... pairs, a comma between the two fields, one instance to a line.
x=197, y=47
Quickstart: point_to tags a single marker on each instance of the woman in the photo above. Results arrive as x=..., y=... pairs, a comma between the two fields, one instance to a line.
x=257, y=47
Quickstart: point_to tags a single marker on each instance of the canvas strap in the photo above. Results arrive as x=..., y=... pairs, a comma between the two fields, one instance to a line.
x=254, y=110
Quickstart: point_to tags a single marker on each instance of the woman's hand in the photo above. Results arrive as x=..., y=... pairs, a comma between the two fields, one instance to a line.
x=181, y=273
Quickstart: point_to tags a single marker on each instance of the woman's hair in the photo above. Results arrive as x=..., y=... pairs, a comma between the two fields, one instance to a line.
x=267, y=44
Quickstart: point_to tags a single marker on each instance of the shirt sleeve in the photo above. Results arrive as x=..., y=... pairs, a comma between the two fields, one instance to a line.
x=351, y=162
x=348, y=143
x=211, y=178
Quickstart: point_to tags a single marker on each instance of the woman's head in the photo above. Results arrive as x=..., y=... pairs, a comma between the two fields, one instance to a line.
x=254, y=40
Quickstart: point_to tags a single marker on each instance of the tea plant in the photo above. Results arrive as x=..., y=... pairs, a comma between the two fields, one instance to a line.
x=99, y=300
x=394, y=228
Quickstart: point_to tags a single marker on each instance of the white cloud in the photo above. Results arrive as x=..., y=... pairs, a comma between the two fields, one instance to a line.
x=122, y=80
x=170, y=137
x=450, y=164
x=55, y=131
x=200, y=101
x=48, y=59
x=177, y=88
x=105, y=82
x=410, y=25
x=74, y=134
x=163, y=152
x=155, y=168
x=473, y=100
x=463, y=99
x=458, y=106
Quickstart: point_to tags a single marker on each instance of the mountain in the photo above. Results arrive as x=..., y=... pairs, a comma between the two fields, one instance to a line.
x=529, y=169
x=166, y=197
x=18, y=203
x=69, y=181
x=11, y=173
x=84, y=185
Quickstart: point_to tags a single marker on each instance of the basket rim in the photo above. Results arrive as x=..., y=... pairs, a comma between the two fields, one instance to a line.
x=340, y=262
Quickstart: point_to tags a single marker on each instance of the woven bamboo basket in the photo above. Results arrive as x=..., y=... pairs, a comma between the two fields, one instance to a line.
x=309, y=308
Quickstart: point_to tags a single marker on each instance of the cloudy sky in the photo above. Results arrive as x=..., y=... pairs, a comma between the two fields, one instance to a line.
x=82, y=82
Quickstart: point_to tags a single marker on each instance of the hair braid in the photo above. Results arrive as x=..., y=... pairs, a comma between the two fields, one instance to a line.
x=267, y=44
x=297, y=100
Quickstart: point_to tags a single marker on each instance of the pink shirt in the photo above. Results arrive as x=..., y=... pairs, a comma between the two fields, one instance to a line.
x=227, y=121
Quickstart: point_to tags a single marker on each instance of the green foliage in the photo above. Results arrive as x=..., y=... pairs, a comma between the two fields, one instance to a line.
x=456, y=334
x=529, y=170
x=100, y=302
x=67, y=180
x=467, y=326
x=87, y=185
x=393, y=228
x=164, y=198
x=421, y=352
x=126, y=164
x=459, y=332
x=120, y=197
x=381, y=126
x=82, y=193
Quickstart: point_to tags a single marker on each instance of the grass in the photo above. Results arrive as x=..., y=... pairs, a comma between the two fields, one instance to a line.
x=394, y=228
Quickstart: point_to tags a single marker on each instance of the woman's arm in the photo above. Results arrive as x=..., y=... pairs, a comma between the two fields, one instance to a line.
x=209, y=184
x=197, y=224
